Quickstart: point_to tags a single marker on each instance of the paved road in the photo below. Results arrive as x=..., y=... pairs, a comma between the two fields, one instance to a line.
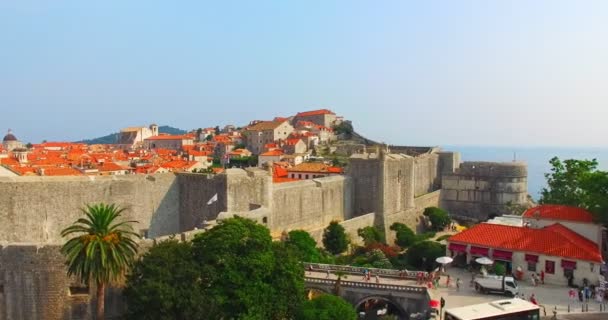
x=550, y=296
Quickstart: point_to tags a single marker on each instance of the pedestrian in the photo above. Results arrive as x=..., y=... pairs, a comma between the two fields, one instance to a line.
x=458, y=283
x=533, y=299
x=377, y=278
x=364, y=274
x=533, y=280
x=581, y=294
x=542, y=276
x=327, y=271
x=572, y=294
x=587, y=293
x=447, y=282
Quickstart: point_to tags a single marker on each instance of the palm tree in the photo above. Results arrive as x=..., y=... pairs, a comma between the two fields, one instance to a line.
x=101, y=249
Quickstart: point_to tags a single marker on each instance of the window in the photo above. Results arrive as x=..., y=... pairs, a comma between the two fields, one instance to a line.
x=299, y=176
x=531, y=266
x=550, y=267
x=306, y=176
x=265, y=220
x=79, y=290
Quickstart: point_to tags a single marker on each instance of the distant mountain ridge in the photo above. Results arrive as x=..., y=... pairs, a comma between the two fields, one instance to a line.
x=113, y=137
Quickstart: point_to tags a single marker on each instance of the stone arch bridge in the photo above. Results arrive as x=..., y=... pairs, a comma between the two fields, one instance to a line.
x=398, y=290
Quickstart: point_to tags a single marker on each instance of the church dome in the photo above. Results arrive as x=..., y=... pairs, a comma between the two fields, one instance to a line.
x=9, y=137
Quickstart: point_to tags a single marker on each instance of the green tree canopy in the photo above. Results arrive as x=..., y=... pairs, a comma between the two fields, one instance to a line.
x=405, y=237
x=577, y=183
x=371, y=235
x=327, y=307
x=304, y=246
x=101, y=249
x=439, y=218
x=335, y=239
x=245, y=275
x=422, y=255
x=165, y=285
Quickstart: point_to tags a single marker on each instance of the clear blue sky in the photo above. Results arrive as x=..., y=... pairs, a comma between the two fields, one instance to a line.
x=419, y=73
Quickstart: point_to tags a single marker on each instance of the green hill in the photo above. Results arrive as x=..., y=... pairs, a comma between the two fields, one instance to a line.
x=113, y=137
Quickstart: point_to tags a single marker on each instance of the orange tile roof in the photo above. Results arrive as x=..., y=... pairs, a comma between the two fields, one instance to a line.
x=559, y=212
x=280, y=119
x=218, y=170
x=555, y=240
x=178, y=164
x=292, y=142
x=272, y=153
x=314, y=113
x=62, y=172
x=279, y=172
x=111, y=166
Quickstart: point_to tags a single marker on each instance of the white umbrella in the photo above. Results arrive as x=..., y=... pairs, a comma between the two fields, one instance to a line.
x=444, y=260
x=484, y=261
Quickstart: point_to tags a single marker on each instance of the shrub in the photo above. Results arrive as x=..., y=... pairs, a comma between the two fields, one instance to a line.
x=389, y=252
x=426, y=236
x=422, y=255
x=439, y=218
x=405, y=237
x=500, y=269
x=304, y=246
x=335, y=239
x=371, y=235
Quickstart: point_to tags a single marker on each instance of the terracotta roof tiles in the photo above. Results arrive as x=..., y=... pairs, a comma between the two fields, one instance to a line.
x=559, y=212
x=554, y=240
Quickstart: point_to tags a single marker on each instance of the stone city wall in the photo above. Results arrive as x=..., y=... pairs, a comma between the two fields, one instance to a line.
x=36, y=209
x=310, y=203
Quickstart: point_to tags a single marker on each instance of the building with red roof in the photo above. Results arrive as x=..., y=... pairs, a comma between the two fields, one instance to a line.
x=269, y=157
x=173, y=142
x=554, y=249
x=577, y=219
x=322, y=117
x=312, y=170
x=294, y=145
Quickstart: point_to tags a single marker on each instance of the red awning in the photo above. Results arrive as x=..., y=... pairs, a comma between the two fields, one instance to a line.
x=502, y=255
x=568, y=264
x=457, y=247
x=479, y=251
x=531, y=258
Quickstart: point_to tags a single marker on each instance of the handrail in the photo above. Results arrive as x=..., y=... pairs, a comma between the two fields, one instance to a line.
x=359, y=270
x=370, y=285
